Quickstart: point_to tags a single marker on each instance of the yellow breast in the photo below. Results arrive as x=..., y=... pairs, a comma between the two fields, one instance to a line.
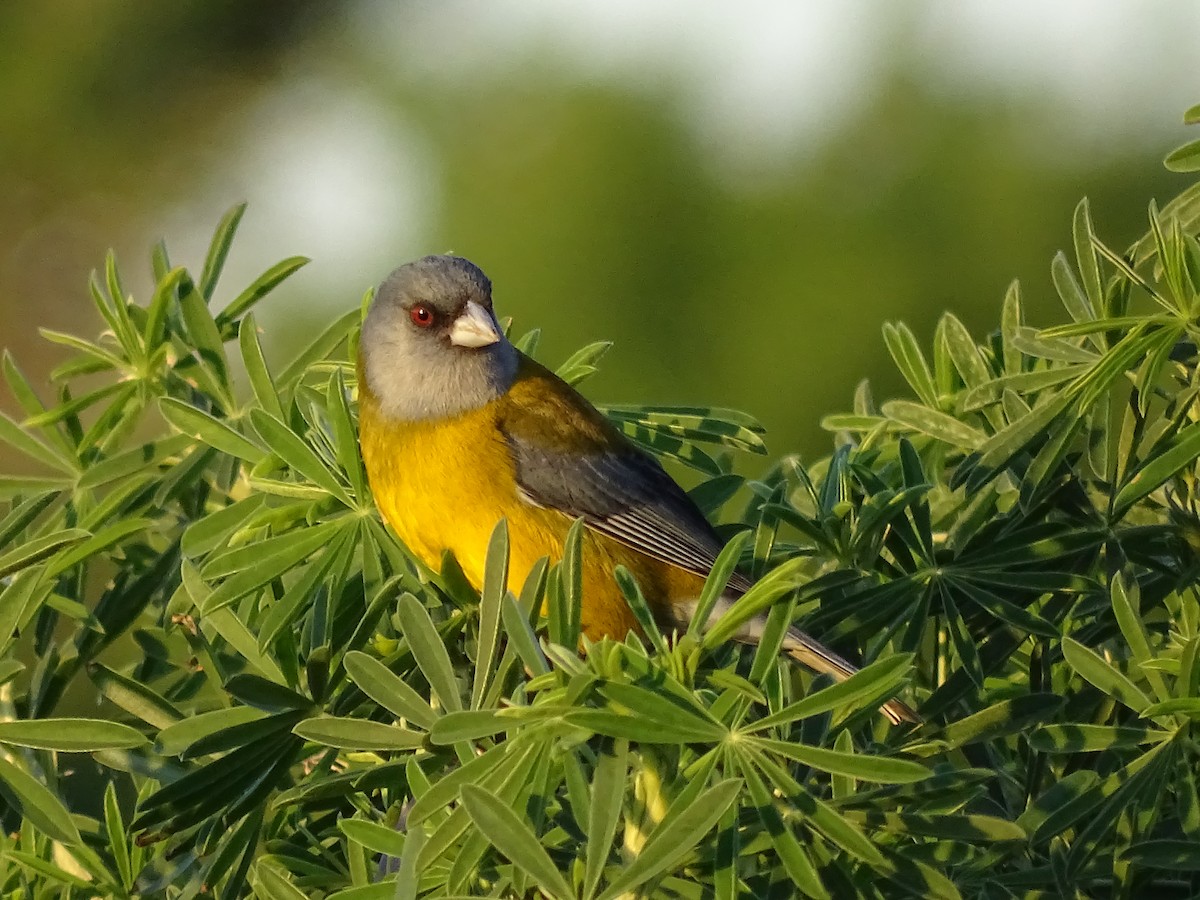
x=445, y=485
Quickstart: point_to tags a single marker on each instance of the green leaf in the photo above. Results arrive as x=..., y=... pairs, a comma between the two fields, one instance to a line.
x=634, y=727
x=1189, y=706
x=1085, y=255
x=37, y=804
x=257, y=371
x=666, y=846
x=407, y=879
x=795, y=859
x=376, y=837
x=282, y=557
x=969, y=827
x=1182, y=451
x=97, y=353
x=911, y=361
x=249, y=556
x=1093, y=668
x=1129, y=618
x=270, y=882
x=963, y=352
x=259, y=288
x=937, y=425
x=225, y=624
x=509, y=834
x=1032, y=343
x=495, y=583
x=165, y=299
x=32, y=552
x=177, y=737
x=713, y=425
x=134, y=462
x=213, y=530
x=468, y=725
x=301, y=458
x=636, y=600
x=119, y=320
x=1092, y=738
x=358, y=734
x=1077, y=303
x=1173, y=855
x=521, y=635
x=664, y=710
x=212, y=431
x=429, y=651
x=387, y=689
x=767, y=590
x=1185, y=158
x=118, y=841
x=604, y=812
x=135, y=698
x=1027, y=383
x=583, y=362
x=265, y=694
x=218, y=249
x=325, y=343
x=12, y=434
x=10, y=669
x=1127, y=353
x=266, y=730
x=838, y=829
x=484, y=770
x=879, y=678
x=345, y=435
x=20, y=598
x=1006, y=717
x=1001, y=447
x=70, y=735
x=205, y=339
x=879, y=769
x=716, y=581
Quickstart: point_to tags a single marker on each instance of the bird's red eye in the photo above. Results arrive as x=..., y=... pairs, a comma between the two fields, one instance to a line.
x=422, y=316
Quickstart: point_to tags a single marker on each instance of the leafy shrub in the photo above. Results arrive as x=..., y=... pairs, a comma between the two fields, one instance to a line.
x=294, y=707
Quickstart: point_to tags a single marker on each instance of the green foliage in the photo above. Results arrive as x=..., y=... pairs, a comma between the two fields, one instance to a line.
x=296, y=708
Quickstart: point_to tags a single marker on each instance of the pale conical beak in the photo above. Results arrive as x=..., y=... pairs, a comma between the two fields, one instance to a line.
x=474, y=327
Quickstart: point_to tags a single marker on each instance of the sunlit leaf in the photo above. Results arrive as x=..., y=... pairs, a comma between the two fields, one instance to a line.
x=512, y=837
x=358, y=734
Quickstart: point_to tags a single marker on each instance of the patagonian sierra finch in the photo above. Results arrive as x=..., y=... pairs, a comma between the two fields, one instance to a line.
x=459, y=429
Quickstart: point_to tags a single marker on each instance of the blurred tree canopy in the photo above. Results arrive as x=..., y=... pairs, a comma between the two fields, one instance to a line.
x=594, y=209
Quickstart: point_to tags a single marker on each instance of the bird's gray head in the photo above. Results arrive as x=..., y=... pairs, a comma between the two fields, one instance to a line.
x=431, y=346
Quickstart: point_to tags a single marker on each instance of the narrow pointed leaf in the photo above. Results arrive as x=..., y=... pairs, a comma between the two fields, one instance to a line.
x=358, y=734
x=297, y=454
x=387, y=689
x=936, y=424
x=70, y=735
x=259, y=288
x=206, y=428
x=1092, y=667
x=218, y=249
x=667, y=846
x=509, y=834
x=429, y=651
x=37, y=804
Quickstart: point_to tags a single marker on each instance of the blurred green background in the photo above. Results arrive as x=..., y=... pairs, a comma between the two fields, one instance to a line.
x=738, y=194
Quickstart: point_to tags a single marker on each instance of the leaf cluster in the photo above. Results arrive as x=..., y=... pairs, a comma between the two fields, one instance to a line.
x=293, y=706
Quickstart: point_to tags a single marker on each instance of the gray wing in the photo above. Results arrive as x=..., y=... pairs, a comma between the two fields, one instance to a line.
x=626, y=495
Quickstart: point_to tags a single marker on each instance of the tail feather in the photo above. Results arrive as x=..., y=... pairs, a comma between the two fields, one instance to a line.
x=812, y=653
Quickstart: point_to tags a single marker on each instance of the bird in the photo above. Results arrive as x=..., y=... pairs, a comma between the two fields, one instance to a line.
x=459, y=429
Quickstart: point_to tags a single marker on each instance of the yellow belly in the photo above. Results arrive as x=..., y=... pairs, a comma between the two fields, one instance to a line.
x=445, y=486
